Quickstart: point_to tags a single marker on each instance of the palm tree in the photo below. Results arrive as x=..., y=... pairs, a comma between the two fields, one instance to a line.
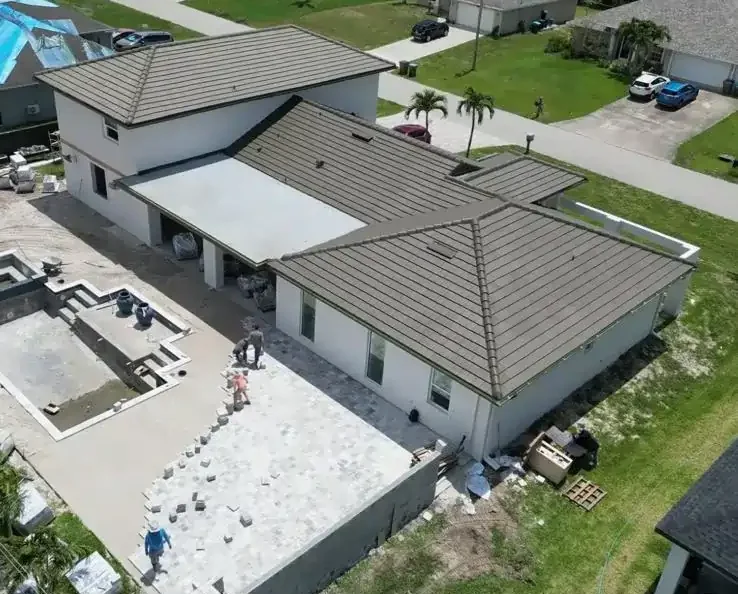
x=11, y=502
x=643, y=36
x=42, y=555
x=426, y=101
x=475, y=104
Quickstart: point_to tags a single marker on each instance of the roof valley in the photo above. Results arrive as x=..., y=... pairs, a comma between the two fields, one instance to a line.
x=141, y=84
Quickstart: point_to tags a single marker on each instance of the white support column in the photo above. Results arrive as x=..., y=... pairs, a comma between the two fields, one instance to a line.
x=673, y=570
x=213, y=264
x=154, y=222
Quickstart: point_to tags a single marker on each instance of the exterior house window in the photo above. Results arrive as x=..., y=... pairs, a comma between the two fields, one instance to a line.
x=99, y=183
x=440, y=389
x=307, y=315
x=111, y=129
x=375, y=358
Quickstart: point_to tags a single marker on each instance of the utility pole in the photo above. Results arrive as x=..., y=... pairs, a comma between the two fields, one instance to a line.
x=476, y=39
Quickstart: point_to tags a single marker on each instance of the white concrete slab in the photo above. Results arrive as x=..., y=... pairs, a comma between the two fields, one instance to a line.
x=94, y=575
x=253, y=214
x=410, y=50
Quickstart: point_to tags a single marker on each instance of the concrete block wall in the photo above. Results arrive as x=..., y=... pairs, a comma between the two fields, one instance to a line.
x=27, y=298
x=343, y=545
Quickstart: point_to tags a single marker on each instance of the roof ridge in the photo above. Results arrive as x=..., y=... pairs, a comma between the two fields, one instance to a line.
x=570, y=220
x=341, y=43
x=487, y=318
x=141, y=83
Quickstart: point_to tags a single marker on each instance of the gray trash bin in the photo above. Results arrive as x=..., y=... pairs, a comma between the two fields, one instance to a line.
x=412, y=69
x=728, y=86
x=403, y=67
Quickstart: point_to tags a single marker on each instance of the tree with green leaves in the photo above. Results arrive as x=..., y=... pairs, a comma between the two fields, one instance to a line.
x=475, y=104
x=425, y=102
x=643, y=36
x=11, y=502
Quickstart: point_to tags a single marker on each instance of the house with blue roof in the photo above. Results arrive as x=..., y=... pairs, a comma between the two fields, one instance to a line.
x=36, y=35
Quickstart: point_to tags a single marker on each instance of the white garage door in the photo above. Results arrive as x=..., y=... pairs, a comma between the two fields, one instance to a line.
x=704, y=72
x=467, y=15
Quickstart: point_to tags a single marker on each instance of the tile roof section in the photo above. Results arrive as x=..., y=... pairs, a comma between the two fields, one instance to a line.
x=705, y=520
x=171, y=80
x=523, y=178
x=704, y=28
x=526, y=287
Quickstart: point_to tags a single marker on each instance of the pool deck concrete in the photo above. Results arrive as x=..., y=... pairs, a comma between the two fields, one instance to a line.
x=103, y=471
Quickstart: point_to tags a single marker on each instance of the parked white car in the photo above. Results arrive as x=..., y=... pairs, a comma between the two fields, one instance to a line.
x=647, y=85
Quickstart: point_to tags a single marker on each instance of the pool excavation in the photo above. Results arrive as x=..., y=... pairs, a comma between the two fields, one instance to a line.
x=73, y=355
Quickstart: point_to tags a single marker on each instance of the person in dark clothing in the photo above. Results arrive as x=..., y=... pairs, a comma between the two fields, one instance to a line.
x=239, y=351
x=256, y=339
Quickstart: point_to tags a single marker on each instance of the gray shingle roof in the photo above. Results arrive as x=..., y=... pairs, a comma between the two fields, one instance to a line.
x=705, y=520
x=170, y=80
x=523, y=178
x=704, y=28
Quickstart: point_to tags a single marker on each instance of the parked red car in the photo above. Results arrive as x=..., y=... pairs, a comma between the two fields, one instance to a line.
x=414, y=131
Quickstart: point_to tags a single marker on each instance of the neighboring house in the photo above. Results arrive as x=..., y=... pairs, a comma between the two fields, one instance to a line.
x=506, y=15
x=703, y=530
x=445, y=285
x=702, y=49
x=36, y=35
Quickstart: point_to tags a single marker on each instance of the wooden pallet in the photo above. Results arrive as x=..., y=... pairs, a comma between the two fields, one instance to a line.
x=584, y=493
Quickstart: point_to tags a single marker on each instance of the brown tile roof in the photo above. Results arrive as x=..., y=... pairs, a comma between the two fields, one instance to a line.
x=169, y=80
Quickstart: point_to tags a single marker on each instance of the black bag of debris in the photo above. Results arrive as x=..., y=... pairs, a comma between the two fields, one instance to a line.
x=414, y=415
x=586, y=440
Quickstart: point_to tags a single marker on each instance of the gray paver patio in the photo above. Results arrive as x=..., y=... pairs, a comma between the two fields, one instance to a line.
x=319, y=460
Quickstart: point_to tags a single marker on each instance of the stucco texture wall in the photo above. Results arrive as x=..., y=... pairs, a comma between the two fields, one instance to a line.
x=15, y=100
x=406, y=379
x=552, y=387
x=341, y=546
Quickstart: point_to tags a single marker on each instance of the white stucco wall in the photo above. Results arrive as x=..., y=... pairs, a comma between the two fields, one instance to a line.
x=357, y=96
x=550, y=388
x=406, y=379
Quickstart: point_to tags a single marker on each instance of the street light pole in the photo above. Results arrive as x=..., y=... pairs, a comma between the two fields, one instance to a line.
x=476, y=39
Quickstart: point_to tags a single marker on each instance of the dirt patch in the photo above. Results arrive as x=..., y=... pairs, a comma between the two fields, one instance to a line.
x=89, y=405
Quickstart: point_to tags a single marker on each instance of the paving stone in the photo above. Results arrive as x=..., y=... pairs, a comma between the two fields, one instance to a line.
x=205, y=462
x=168, y=471
x=189, y=452
x=181, y=508
x=156, y=508
x=198, y=448
x=194, y=496
x=211, y=478
x=199, y=505
x=215, y=427
x=172, y=517
x=427, y=515
x=245, y=520
x=205, y=438
x=182, y=463
x=238, y=405
x=227, y=538
x=228, y=405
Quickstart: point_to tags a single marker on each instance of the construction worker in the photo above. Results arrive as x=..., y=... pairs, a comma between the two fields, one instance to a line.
x=239, y=351
x=539, y=107
x=256, y=339
x=154, y=542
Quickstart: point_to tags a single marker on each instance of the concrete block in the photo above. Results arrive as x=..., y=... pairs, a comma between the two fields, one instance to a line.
x=181, y=508
x=94, y=575
x=427, y=515
x=205, y=462
x=7, y=445
x=245, y=520
x=238, y=405
x=189, y=452
x=168, y=471
x=172, y=517
x=194, y=496
x=155, y=508
x=200, y=505
x=222, y=416
x=35, y=514
x=198, y=448
x=211, y=478
x=182, y=463
x=117, y=406
x=227, y=538
x=228, y=405
x=205, y=437
x=215, y=427
x=440, y=446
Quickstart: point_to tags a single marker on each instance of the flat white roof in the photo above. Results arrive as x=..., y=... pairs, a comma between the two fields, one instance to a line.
x=244, y=210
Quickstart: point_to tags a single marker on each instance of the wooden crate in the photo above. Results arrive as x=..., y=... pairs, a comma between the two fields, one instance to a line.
x=584, y=493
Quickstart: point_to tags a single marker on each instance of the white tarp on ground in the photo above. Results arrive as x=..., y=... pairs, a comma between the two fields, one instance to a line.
x=238, y=206
x=36, y=512
x=94, y=575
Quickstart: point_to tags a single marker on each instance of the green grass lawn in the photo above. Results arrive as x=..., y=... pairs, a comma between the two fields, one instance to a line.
x=515, y=71
x=71, y=529
x=387, y=108
x=117, y=15
x=657, y=434
x=701, y=152
x=56, y=169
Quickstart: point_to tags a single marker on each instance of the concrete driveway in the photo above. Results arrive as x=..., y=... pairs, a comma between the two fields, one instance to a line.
x=645, y=128
x=410, y=50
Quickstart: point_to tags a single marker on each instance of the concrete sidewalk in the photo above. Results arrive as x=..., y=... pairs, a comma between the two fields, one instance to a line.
x=689, y=187
x=184, y=16
x=410, y=50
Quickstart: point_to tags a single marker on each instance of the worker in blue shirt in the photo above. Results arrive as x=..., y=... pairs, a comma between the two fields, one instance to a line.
x=154, y=543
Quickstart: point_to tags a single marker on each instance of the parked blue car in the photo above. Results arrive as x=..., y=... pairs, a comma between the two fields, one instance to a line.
x=676, y=94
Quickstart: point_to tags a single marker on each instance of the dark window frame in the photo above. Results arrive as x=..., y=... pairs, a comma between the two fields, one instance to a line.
x=98, y=174
x=374, y=363
x=438, y=395
x=308, y=315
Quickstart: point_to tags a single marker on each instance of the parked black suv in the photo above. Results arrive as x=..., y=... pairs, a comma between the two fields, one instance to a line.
x=427, y=30
x=142, y=38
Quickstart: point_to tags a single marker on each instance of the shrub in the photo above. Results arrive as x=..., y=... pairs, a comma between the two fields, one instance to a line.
x=496, y=31
x=620, y=67
x=521, y=26
x=559, y=40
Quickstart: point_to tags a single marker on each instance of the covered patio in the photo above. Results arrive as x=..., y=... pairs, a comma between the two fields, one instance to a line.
x=235, y=209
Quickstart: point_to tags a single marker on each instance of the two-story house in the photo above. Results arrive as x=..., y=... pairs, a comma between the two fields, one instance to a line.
x=448, y=286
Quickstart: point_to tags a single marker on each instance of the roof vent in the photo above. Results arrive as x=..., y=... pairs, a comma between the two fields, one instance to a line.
x=442, y=249
x=362, y=136
x=319, y=163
